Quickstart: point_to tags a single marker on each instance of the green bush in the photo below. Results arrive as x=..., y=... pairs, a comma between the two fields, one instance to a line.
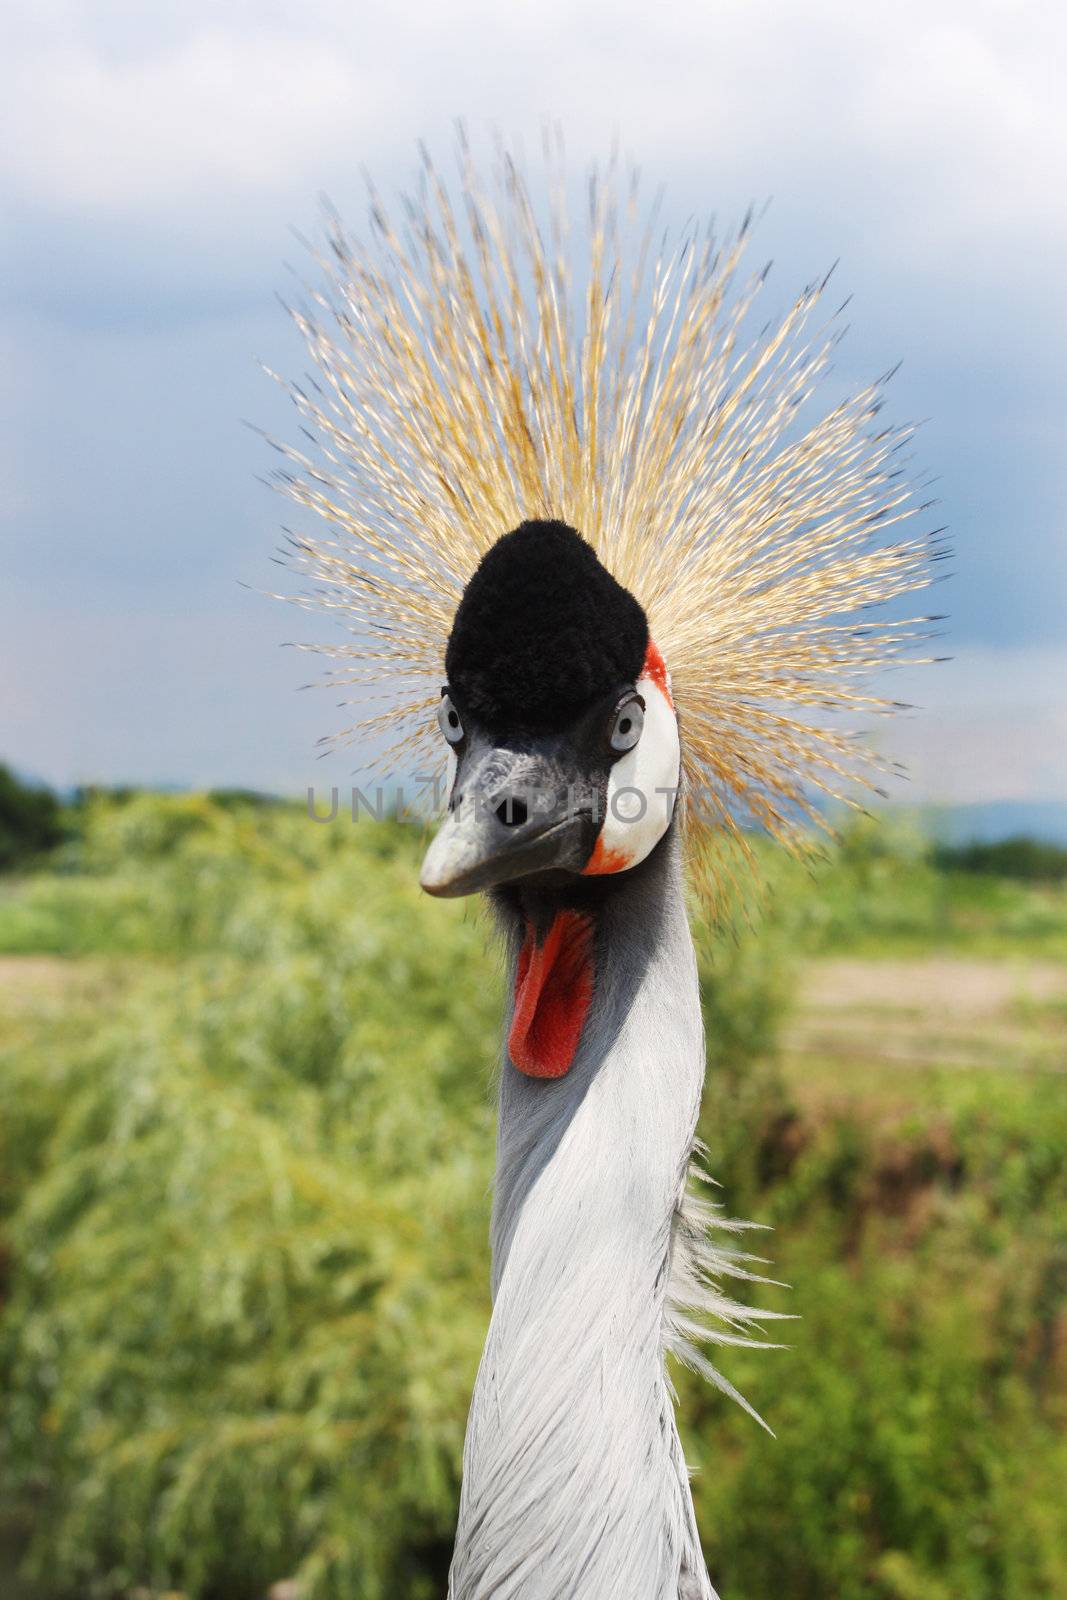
x=244, y=1200
x=251, y=1279
x=30, y=820
x=921, y=1412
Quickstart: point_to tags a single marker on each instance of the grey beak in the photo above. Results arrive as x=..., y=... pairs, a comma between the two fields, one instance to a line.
x=513, y=813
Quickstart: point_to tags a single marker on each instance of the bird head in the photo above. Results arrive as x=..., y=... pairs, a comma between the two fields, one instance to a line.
x=563, y=745
x=624, y=384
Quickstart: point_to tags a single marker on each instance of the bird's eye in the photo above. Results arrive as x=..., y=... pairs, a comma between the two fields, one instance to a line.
x=626, y=729
x=448, y=720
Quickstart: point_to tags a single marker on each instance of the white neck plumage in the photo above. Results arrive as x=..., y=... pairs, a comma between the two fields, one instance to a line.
x=574, y=1485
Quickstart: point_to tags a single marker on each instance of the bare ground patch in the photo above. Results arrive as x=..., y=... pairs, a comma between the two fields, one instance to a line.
x=937, y=1011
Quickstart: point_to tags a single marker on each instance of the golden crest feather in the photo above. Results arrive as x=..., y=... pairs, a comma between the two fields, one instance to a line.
x=473, y=370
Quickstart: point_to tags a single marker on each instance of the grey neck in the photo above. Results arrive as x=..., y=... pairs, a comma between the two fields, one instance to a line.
x=574, y=1483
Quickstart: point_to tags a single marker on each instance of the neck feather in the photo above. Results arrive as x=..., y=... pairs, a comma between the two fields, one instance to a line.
x=621, y=1122
x=574, y=1482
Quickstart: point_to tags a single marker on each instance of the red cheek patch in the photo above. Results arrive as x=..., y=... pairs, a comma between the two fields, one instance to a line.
x=605, y=859
x=553, y=988
x=656, y=668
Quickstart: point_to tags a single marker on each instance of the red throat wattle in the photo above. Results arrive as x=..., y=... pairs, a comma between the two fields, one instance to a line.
x=553, y=988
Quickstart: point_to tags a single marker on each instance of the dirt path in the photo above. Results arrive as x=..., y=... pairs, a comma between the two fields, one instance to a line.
x=41, y=974
x=41, y=993
x=937, y=1011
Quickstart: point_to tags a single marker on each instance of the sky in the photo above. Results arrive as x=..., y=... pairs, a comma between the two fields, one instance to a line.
x=155, y=160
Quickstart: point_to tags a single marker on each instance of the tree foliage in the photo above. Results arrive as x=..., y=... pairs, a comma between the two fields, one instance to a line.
x=30, y=819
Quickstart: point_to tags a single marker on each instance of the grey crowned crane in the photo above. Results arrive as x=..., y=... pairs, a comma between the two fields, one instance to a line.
x=597, y=551
x=558, y=709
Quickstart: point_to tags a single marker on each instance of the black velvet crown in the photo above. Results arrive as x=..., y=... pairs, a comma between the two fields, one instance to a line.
x=542, y=632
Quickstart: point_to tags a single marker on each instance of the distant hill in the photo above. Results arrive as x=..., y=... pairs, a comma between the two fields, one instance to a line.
x=984, y=822
x=987, y=822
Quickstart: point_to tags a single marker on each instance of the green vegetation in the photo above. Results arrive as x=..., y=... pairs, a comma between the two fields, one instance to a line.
x=244, y=1161
x=29, y=820
x=1032, y=860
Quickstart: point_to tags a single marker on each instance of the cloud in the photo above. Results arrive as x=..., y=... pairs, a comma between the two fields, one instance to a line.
x=154, y=155
x=988, y=725
x=217, y=116
x=953, y=111
x=164, y=696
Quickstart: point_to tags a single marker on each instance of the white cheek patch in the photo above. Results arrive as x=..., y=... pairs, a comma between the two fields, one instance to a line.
x=642, y=788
